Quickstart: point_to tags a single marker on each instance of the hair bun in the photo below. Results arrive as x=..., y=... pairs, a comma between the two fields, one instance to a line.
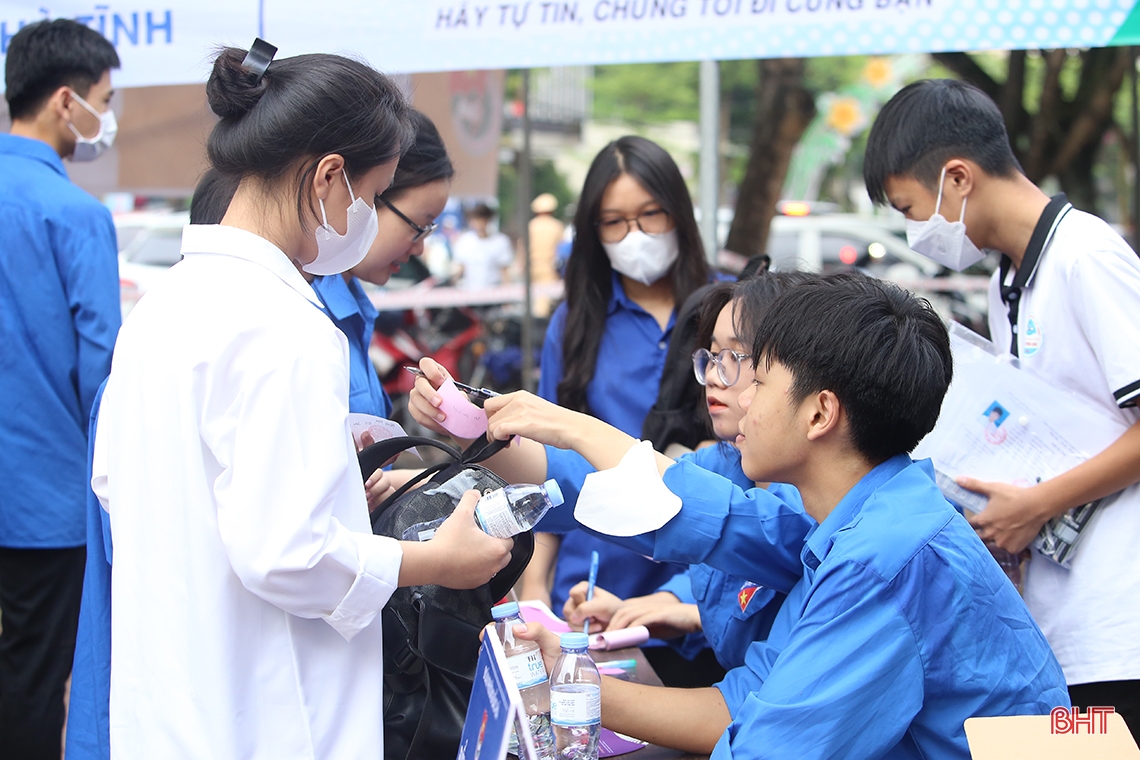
x=233, y=89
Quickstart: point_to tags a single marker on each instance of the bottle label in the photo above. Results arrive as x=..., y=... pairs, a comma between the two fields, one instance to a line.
x=495, y=516
x=582, y=707
x=527, y=668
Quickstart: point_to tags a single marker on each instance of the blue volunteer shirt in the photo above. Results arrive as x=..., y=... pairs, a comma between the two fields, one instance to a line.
x=734, y=611
x=631, y=358
x=350, y=309
x=59, y=315
x=88, y=726
x=898, y=628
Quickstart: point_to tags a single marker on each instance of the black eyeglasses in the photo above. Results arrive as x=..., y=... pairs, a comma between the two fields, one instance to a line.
x=727, y=365
x=421, y=232
x=613, y=229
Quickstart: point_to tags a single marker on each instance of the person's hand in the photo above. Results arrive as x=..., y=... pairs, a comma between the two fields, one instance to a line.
x=467, y=556
x=1013, y=515
x=530, y=416
x=424, y=401
x=377, y=488
x=662, y=613
x=548, y=642
x=599, y=609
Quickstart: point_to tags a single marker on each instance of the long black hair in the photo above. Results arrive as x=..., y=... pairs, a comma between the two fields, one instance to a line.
x=589, y=274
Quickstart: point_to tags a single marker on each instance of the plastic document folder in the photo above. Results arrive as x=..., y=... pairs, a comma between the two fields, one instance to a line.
x=1001, y=423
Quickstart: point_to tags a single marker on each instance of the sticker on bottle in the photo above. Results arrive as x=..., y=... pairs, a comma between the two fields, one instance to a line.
x=495, y=516
x=577, y=705
x=527, y=669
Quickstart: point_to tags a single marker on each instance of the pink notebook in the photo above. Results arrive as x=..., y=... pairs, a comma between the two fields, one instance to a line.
x=537, y=612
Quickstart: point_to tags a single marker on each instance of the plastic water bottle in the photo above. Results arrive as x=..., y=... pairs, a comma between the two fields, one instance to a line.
x=575, y=701
x=529, y=672
x=502, y=513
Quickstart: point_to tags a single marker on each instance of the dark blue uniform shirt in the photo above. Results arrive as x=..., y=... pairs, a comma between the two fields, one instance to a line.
x=59, y=315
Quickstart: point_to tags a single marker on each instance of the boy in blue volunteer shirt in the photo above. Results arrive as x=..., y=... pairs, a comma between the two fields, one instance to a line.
x=898, y=624
x=59, y=315
x=1065, y=299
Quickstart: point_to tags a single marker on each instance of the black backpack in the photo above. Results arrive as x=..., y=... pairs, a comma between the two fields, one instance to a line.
x=431, y=633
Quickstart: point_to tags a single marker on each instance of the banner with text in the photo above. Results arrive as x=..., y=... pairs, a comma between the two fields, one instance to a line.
x=172, y=41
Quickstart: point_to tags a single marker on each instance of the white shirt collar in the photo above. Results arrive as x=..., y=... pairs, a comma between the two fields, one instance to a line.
x=242, y=244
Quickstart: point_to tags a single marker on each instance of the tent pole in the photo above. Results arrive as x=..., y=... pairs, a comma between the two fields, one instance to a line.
x=709, y=156
x=525, y=179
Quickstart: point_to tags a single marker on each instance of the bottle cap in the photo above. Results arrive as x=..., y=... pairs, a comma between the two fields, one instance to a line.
x=574, y=640
x=505, y=610
x=553, y=492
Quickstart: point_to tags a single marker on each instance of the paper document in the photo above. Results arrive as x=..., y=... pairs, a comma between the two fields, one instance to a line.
x=379, y=428
x=1001, y=423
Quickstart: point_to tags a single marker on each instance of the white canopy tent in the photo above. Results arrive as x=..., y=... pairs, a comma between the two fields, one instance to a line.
x=164, y=42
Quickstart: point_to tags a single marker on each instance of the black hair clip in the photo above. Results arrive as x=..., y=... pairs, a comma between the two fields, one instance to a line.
x=259, y=57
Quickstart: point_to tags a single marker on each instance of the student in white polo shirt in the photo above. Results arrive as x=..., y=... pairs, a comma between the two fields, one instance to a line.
x=1066, y=300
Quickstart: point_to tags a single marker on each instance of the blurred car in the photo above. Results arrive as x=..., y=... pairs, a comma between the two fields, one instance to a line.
x=149, y=244
x=811, y=237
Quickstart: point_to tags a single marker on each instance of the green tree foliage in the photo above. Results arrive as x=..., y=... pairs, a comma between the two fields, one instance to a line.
x=546, y=180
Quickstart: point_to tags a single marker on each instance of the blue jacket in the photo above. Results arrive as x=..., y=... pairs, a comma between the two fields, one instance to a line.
x=734, y=611
x=350, y=309
x=898, y=624
x=88, y=727
x=59, y=315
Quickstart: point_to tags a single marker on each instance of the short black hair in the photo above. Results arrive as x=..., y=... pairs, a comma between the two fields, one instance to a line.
x=882, y=351
x=47, y=55
x=754, y=296
x=926, y=124
x=426, y=161
x=212, y=196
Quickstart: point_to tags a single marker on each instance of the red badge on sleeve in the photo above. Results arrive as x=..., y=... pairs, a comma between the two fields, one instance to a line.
x=746, y=593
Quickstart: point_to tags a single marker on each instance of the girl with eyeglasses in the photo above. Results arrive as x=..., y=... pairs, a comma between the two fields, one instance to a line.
x=702, y=606
x=405, y=215
x=636, y=257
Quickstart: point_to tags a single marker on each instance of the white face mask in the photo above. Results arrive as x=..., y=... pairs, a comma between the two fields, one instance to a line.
x=90, y=148
x=338, y=253
x=643, y=257
x=943, y=241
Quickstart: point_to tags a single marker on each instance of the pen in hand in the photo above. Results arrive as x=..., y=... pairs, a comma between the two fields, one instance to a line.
x=477, y=394
x=590, y=583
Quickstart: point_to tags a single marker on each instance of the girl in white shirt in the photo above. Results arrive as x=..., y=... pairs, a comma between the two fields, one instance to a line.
x=246, y=579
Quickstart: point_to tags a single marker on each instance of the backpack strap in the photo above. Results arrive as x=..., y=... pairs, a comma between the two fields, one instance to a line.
x=481, y=450
x=377, y=455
